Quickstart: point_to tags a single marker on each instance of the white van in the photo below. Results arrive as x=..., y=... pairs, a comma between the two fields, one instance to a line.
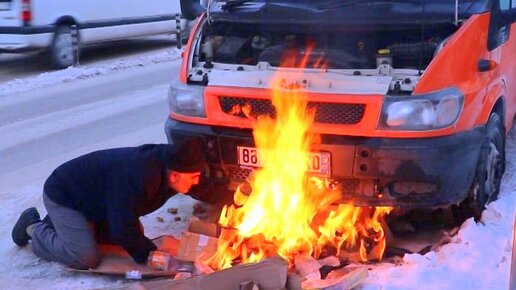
x=28, y=25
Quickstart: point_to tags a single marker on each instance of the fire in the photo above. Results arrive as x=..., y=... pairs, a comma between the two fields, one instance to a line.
x=277, y=218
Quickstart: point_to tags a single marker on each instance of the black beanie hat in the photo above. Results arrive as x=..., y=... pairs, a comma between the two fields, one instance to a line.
x=188, y=158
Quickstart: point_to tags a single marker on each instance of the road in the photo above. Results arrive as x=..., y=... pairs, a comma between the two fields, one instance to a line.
x=39, y=125
x=44, y=127
x=14, y=66
x=62, y=118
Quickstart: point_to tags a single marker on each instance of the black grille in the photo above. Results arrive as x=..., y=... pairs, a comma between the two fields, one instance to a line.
x=240, y=174
x=332, y=113
x=348, y=187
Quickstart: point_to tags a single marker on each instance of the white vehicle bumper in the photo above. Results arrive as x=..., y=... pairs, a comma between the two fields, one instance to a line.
x=19, y=39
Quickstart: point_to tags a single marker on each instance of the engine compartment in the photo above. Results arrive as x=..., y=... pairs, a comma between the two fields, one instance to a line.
x=351, y=47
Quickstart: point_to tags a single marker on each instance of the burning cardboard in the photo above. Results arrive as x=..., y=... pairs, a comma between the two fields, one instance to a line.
x=288, y=190
x=274, y=215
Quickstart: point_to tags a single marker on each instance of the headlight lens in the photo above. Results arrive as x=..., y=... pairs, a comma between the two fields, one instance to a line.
x=187, y=100
x=431, y=111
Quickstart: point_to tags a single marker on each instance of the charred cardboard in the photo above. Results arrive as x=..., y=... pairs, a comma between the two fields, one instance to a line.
x=191, y=245
x=269, y=274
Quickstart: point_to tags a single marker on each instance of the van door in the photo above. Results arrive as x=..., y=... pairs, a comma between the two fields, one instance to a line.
x=119, y=19
x=9, y=15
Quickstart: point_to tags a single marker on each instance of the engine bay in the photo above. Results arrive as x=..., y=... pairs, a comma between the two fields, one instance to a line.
x=402, y=53
x=342, y=48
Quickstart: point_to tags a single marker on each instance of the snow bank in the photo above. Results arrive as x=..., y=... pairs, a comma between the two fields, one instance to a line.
x=82, y=72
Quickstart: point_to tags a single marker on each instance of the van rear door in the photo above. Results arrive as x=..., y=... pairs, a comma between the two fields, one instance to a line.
x=9, y=13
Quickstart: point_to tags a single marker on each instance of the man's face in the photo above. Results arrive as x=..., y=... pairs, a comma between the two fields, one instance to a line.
x=182, y=182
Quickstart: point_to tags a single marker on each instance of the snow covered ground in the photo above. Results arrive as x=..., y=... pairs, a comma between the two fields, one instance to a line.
x=74, y=73
x=477, y=258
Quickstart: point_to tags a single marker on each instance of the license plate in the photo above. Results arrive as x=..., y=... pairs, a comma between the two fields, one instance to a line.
x=319, y=163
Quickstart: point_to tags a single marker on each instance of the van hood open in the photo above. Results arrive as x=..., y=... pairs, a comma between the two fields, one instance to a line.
x=332, y=12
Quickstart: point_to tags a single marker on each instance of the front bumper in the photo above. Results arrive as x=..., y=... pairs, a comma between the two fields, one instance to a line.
x=405, y=173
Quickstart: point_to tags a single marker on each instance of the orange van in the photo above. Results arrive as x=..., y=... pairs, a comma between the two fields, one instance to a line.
x=412, y=105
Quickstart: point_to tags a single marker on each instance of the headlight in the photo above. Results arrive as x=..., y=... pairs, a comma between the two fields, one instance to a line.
x=431, y=111
x=187, y=100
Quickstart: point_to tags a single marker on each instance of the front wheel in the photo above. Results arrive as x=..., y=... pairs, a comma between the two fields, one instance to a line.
x=61, y=50
x=490, y=168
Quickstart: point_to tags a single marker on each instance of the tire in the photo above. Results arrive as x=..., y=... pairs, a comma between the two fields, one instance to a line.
x=61, y=50
x=490, y=168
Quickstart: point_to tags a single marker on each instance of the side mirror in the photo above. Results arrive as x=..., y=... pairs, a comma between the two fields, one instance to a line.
x=509, y=15
x=191, y=9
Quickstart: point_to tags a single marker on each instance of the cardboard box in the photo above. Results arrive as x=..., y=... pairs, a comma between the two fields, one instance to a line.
x=269, y=274
x=307, y=266
x=116, y=261
x=204, y=228
x=192, y=245
x=340, y=279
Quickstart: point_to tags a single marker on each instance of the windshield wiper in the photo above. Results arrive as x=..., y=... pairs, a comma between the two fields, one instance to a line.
x=332, y=4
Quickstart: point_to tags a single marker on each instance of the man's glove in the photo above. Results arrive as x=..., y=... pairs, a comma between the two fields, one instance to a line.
x=206, y=212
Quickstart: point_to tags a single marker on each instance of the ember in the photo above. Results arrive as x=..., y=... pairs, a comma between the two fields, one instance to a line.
x=277, y=218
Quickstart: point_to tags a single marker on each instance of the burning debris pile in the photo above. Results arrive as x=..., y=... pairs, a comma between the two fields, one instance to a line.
x=288, y=212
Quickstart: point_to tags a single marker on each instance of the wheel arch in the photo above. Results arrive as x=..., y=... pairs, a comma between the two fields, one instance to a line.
x=494, y=102
x=63, y=26
x=475, y=203
x=65, y=20
x=499, y=107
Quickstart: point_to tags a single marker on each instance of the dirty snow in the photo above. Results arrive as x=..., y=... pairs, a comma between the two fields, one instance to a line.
x=477, y=258
x=74, y=73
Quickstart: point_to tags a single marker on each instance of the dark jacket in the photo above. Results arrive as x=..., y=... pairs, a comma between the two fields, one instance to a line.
x=117, y=186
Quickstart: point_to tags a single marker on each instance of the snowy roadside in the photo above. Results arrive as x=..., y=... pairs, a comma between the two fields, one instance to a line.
x=477, y=258
x=82, y=72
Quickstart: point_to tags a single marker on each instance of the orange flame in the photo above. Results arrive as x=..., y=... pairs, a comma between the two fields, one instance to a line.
x=277, y=218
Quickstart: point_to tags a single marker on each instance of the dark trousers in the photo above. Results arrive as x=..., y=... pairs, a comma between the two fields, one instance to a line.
x=70, y=240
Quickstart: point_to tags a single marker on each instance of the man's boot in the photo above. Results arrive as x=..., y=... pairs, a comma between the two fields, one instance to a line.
x=28, y=217
x=46, y=220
